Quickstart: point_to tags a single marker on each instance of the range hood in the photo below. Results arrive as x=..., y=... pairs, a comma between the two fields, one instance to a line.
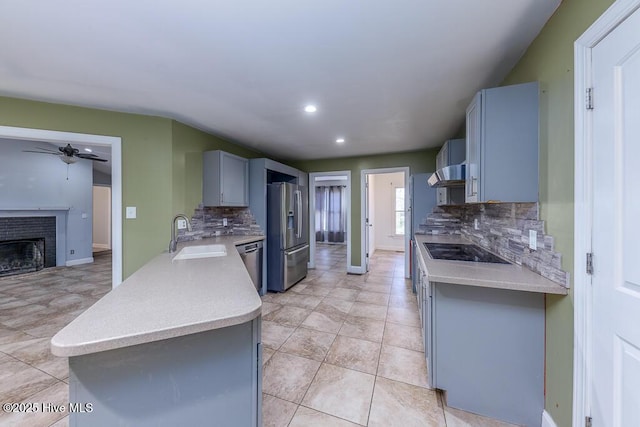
x=448, y=176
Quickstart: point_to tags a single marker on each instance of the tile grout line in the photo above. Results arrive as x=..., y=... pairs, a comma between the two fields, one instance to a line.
x=314, y=375
x=375, y=382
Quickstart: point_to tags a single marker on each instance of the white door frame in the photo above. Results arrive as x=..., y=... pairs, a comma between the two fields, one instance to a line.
x=583, y=202
x=115, y=142
x=312, y=214
x=407, y=218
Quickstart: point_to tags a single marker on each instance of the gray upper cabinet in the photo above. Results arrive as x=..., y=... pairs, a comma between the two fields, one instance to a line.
x=225, y=179
x=502, y=145
x=453, y=152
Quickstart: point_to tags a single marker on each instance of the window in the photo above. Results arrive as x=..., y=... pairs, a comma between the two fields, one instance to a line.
x=399, y=211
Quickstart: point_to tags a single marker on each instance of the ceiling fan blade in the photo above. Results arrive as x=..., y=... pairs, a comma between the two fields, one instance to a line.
x=90, y=157
x=42, y=152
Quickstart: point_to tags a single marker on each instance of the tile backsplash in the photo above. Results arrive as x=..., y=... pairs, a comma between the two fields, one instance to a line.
x=207, y=221
x=503, y=228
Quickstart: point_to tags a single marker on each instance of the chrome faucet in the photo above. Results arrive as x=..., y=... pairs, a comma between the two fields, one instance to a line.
x=174, y=240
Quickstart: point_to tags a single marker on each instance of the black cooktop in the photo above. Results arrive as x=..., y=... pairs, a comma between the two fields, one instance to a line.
x=462, y=252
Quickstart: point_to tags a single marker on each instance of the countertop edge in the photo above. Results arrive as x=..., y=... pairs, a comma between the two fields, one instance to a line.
x=100, y=346
x=78, y=347
x=518, y=282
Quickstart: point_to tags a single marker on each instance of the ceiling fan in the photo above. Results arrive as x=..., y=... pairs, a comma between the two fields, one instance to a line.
x=67, y=154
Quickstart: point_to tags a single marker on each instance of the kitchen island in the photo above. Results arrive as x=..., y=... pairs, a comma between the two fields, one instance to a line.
x=483, y=325
x=177, y=343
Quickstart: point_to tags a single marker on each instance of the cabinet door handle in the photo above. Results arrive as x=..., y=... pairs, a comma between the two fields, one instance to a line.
x=472, y=191
x=221, y=197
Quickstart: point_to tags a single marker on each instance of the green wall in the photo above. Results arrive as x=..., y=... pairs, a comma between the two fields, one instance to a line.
x=146, y=165
x=549, y=60
x=418, y=162
x=188, y=145
x=161, y=165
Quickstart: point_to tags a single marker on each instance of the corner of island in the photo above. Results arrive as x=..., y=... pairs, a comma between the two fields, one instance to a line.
x=177, y=343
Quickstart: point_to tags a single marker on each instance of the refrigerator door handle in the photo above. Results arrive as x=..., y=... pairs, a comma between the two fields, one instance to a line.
x=297, y=250
x=299, y=213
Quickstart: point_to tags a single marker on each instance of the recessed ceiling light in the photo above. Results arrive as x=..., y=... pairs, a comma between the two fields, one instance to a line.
x=88, y=150
x=340, y=140
x=310, y=108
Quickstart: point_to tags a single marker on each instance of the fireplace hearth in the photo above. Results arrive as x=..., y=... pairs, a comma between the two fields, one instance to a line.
x=21, y=256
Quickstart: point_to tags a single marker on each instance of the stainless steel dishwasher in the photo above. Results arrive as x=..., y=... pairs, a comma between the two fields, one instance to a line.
x=251, y=254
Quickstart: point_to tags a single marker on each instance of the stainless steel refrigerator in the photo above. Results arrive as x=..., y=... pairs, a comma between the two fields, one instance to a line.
x=287, y=235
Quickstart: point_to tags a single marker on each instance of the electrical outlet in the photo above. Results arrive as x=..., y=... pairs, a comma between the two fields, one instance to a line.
x=224, y=222
x=533, y=239
x=182, y=223
x=217, y=232
x=476, y=224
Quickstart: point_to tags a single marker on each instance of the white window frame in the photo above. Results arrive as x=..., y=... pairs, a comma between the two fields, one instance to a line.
x=395, y=210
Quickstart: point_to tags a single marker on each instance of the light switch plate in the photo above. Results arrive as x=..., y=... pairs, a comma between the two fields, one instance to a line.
x=533, y=239
x=182, y=224
x=131, y=212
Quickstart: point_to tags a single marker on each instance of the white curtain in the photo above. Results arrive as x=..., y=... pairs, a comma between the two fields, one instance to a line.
x=331, y=217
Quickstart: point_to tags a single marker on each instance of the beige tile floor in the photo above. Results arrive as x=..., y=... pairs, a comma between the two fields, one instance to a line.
x=33, y=307
x=345, y=350
x=340, y=350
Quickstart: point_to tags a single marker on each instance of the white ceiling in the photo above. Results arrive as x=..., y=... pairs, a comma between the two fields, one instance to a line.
x=387, y=75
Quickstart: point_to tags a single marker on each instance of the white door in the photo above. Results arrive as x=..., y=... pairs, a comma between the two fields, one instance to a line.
x=367, y=223
x=615, y=344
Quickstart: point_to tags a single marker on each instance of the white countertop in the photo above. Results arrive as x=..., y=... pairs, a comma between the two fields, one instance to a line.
x=166, y=299
x=483, y=274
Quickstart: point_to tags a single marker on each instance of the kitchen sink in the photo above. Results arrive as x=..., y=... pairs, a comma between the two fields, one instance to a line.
x=202, y=251
x=462, y=252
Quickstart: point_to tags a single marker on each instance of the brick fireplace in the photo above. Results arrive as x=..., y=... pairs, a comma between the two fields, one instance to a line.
x=27, y=244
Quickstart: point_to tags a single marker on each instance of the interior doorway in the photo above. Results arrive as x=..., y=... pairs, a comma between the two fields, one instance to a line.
x=386, y=217
x=101, y=218
x=115, y=145
x=329, y=215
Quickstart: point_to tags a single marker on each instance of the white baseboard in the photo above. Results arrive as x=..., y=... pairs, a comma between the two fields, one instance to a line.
x=355, y=269
x=79, y=261
x=390, y=248
x=547, y=421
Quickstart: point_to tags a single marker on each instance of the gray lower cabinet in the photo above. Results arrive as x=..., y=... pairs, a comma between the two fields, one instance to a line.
x=225, y=179
x=423, y=295
x=488, y=351
x=207, y=378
